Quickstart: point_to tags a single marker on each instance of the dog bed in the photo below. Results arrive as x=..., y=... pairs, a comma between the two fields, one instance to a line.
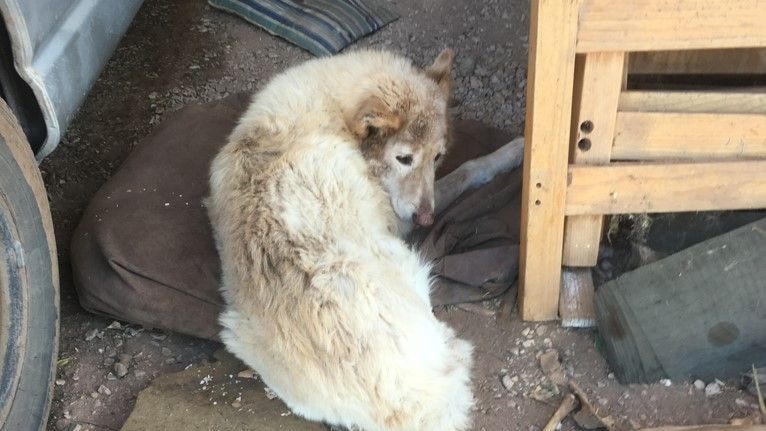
x=143, y=250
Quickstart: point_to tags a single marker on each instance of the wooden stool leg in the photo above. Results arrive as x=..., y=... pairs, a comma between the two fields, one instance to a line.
x=599, y=79
x=553, y=33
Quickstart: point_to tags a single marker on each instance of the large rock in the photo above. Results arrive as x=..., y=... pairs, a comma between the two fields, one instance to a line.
x=201, y=398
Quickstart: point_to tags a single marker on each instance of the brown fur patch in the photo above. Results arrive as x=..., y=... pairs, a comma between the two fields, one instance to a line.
x=373, y=117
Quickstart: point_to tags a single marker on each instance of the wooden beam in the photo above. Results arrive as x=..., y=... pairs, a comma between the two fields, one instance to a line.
x=656, y=135
x=553, y=28
x=597, y=91
x=662, y=25
x=694, y=102
x=674, y=187
x=700, y=62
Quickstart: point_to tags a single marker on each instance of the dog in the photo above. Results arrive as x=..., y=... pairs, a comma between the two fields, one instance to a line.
x=326, y=172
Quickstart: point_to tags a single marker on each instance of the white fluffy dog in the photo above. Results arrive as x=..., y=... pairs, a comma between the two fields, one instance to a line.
x=309, y=202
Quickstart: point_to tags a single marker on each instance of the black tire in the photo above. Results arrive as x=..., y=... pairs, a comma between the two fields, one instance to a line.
x=29, y=299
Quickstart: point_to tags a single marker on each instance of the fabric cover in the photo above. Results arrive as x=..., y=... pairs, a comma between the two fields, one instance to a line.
x=322, y=27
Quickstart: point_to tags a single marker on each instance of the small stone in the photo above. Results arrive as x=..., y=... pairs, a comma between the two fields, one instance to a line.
x=153, y=95
x=541, y=330
x=60, y=382
x=94, y=394
x=246, y=374
x=236, y=404
x=159, y=337
x=741, y=403
x=712, y=389
x=62, y=424
x=699, y=385
x=166, y=352
x=110, y=352
x=551, y=366
x=108, y=362
x=125, y=359
x=269, y=393
x=115, y=324
x=169, y=361
x=507, y=382
x=77, y=427
x=111, y=376
x=666, y=382
x=90, y=335
x=120, y=369
x=528, y=343
x=527, y=332
x=610, y=376
x=104, y=390
x=139, y=374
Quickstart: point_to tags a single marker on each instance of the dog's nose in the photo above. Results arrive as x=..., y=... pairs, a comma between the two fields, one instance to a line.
x=423, y=218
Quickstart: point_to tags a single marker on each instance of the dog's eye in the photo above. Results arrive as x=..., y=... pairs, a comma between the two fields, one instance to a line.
x=405, y=160
x=438, y=156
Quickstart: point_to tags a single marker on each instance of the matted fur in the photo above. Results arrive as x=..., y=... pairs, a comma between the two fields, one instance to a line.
x=323, y=297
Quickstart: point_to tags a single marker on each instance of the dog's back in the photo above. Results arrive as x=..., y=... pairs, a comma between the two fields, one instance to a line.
x=323, y=300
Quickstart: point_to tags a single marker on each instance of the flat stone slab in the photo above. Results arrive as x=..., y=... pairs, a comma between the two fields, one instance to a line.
x=212, y=397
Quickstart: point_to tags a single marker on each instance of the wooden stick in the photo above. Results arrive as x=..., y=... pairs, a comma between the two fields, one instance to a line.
x=761, y=404
x=586, y=404
x=567, y=405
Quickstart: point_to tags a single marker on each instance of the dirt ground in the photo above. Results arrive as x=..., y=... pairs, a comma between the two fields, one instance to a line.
x=181, y=51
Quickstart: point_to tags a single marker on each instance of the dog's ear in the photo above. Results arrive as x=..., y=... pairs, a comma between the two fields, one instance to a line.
x=441, y=70
x=372, y=117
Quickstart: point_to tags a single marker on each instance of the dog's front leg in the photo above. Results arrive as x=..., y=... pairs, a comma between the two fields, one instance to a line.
x=477, y=172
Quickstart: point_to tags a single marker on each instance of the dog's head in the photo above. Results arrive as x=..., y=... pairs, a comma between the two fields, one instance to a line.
x=403, y=128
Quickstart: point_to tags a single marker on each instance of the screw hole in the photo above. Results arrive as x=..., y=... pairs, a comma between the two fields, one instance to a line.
x=539, y=185
x=586, y=126
x=537, y=202
x=584, y=144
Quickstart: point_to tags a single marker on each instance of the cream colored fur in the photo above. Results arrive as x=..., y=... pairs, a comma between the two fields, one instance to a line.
x=323, y=297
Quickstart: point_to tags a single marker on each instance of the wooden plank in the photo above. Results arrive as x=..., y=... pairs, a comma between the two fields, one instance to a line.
x=622, y=188
x=553, y=27
x=704, y=61
x=661, y=25
x=576, y=300
x=598, y=83
x=655, y=136
x=694, y=102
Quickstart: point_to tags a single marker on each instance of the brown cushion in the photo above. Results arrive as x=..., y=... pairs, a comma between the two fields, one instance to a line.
x=143, y=251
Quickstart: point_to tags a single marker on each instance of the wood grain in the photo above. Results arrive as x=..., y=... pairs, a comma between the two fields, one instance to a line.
x=664, y=136
x=661, y=25
x=553, y=25
x=598, y=83
x=694, y=102
x=622, y=188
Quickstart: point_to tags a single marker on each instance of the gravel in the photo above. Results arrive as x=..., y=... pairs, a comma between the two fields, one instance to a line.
x=712, y=389
x=120, y=369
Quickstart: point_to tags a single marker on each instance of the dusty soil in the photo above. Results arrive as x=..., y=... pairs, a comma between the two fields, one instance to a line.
x=181, y=51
